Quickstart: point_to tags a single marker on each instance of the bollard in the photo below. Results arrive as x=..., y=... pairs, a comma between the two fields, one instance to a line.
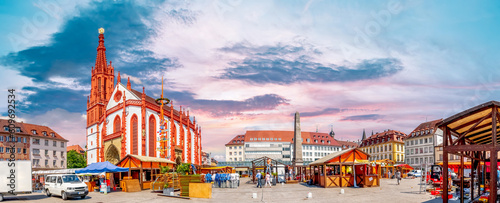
x=171, y=193
x=254, y=195
x=309, y=195
x=341, y=191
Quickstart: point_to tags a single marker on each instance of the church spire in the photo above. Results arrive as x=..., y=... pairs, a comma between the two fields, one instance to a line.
x=100, y=62
x=364, y=135
x=332, y=134
x=129, y=87
x=119, y=78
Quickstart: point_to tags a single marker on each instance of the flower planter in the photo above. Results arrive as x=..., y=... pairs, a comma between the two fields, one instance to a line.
x=167, y=191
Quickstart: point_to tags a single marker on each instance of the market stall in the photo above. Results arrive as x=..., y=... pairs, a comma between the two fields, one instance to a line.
x=404, y=168
x=347, y=168
x=386, y=167
x=102, y=167
x=143, y=168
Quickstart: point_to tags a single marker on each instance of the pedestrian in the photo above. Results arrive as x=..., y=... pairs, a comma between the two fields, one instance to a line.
x=258, y=176
x=389, y=175
x=268, y=179
x=398, y=176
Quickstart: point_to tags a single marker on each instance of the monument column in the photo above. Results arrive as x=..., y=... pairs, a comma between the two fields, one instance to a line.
x=297, y=146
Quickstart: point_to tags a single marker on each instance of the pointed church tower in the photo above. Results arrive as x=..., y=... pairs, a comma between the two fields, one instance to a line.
x=332, y=134
x=102, y=84
x=364, y=135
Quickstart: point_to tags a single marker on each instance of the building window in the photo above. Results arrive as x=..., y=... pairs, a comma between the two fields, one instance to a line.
x=230, y=153
x=33, y=132
x=62, y=144
x=44, y=133
x=251, y=139
x=36, y=141
x=62, y=164
x=46, y=143
x=230, y=147
x=1, y=149
x=24, y=151
x=54, y=153
x=18, y=130
x=421, y=141
x=54, y=143
x=36, y=151
x=230, y=159
x=54, y=163
x=430, y=139
x=240, y=147
x=307, y=140
x=62, y=154
x=6, y=128
x=430, y=149
x=25, y=140
x=117, y=124
x=46, y=152
x=52, y=134
x=279, y=138
x=239, y=153
x=1, y=138
x=46, y=162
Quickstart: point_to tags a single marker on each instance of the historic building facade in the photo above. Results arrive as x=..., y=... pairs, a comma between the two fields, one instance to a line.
x=43, y=146
x=385, y=145
x=421, y=143
x=121, y=121
x=279, y=145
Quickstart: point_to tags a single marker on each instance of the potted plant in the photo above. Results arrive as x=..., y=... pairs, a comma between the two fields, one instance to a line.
x=183, y=169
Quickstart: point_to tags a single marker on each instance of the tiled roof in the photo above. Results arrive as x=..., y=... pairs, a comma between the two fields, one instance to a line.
x=238, y=140
x=26, y=129
x=424, y=129
x=40, y=129
x=77, y=148
x=383, y=137
x=348, y=144
x=153, y=101
x=314, y=138
x=5, y=122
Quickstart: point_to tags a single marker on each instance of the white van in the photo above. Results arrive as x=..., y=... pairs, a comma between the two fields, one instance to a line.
x=65, y=185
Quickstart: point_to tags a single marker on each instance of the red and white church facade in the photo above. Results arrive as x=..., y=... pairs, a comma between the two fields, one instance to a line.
x=121, y=121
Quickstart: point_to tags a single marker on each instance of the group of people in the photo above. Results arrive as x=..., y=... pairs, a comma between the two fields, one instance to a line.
x=221, y=179
x=260, y=177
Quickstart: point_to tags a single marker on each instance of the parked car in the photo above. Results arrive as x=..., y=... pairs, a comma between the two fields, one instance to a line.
x=416, y=173
x=65, y=185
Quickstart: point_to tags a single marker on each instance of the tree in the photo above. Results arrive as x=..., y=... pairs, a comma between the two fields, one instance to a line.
x=76, y=160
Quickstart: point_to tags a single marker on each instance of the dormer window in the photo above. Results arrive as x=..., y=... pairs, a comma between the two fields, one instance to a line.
x=328, y=141
x=307, y=140
x=6, y=128
x=322, y=141
x=18, y=130
x=33, y=132
x=44, y=133
x=53, y=134
x=315, y=141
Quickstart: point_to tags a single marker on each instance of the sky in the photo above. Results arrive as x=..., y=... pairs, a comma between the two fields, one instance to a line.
x=250, y=65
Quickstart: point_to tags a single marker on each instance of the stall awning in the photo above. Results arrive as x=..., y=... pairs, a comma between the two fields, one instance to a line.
x=101, y=167
x=136, y=161
x=404, y=166
x=344, y=156
x=59, y=171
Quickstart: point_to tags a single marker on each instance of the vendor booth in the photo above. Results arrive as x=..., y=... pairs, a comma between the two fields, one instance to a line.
x=405, y=169
x=347, y=168
x=102, y=167
x=386, y=167
x=143, y=168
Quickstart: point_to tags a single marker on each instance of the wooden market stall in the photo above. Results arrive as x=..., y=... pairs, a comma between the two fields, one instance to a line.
x=404, y=168
x=264, y=164
x=386, y=167
x=472, y=133
x=143, y=168
x=347, y=168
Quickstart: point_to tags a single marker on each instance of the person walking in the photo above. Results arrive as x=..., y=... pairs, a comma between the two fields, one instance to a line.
x=258, y=176
x=398, y=176
x=268, y=179
x=389, y=175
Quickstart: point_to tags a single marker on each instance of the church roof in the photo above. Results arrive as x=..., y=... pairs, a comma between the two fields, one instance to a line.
x=153, y=101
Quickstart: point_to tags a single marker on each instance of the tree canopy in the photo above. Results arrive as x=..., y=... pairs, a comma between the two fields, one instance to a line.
x=76, y=160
